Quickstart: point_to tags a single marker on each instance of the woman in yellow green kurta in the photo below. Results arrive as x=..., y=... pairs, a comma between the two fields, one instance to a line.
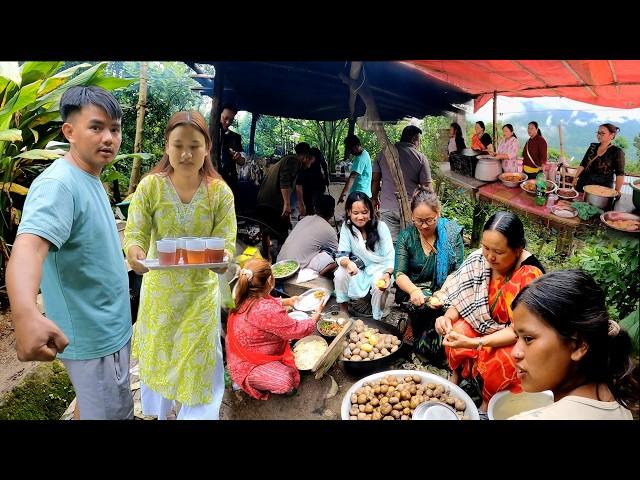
x=176, y=336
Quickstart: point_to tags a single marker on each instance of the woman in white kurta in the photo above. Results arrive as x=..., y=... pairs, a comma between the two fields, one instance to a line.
x=370, y=240
x=177, y=334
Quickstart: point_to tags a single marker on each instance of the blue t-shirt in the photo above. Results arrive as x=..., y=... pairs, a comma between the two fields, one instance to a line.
x=84, y=284
x=362, y=166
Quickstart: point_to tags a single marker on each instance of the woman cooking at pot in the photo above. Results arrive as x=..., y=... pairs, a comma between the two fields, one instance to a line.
x=601, y=161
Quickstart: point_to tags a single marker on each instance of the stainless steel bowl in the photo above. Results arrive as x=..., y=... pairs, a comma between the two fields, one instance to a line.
x=512, y=184
x=600, y=201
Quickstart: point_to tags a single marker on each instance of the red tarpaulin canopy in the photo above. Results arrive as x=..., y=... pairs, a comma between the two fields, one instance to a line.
x=608, y=83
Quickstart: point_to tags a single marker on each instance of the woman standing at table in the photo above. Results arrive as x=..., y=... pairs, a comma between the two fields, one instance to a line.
x=456, y=140
x=508, y=150
x=601, y=161
x=480, y=140
x=534, y=154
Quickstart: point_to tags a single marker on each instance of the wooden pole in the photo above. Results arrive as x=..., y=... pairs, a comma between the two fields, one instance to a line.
x=495, y=121
x=562, y=167
x=252, y=134
x=354, y=74
x=214, y=122
x=137, y=144
x=389, y=150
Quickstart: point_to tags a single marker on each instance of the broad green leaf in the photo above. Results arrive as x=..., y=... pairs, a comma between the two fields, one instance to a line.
x=41, y=119
x=33, y=71
x=11, y=135
x=38, y=154
x=83, y=79
x=26, y=96
x=59, y=78
x=11, y=71
x=35, y=135
x=14, y=187
x=112, y=83
x=631, y=323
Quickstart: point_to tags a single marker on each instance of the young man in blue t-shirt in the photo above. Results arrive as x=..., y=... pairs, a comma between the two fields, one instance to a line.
x=68, y=246
x=360, y=178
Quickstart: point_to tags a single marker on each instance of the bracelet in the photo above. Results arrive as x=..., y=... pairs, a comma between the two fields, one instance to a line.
x=414, y=290
x=480, y=345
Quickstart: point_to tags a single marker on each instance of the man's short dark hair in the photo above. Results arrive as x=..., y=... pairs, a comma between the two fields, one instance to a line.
x=409, y=133
x=303, y=148
x=229, y=106
x=326, y=206
x=351, y=141
x=77, y=97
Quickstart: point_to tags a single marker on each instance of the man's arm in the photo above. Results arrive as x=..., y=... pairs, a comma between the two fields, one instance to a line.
x=301, y=206
x=286, y=195
x=37, y=337
x=347, y=186
x=375, y=189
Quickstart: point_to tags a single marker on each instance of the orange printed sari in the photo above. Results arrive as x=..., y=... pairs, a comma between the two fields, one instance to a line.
x=494, y=365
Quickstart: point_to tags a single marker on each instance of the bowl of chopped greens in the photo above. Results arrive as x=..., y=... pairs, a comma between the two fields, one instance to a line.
x=284, y=269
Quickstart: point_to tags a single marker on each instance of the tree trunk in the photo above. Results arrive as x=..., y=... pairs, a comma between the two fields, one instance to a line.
x=389, y=150
x=252, y=134
x=214, y=122
x=137, y=144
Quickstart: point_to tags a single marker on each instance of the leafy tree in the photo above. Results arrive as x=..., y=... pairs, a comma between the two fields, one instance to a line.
x=169, y=91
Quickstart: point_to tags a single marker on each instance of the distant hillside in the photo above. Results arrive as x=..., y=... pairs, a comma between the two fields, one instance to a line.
x=578, y=130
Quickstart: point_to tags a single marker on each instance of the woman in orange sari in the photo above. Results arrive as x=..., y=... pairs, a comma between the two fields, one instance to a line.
x=478, y=336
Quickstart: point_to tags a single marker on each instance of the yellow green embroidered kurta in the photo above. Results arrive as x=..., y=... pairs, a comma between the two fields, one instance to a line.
x=175, y=334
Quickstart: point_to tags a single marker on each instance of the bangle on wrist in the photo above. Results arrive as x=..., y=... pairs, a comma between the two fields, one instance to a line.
x=480, y=344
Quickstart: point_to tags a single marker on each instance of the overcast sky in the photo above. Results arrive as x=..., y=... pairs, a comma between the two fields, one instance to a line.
x=513, y=105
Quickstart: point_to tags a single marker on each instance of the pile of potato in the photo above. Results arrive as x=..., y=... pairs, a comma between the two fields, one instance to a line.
x=366, y=343
x=395, y=398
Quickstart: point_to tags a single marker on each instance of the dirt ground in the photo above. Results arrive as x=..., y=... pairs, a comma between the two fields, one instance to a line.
x=12, y=370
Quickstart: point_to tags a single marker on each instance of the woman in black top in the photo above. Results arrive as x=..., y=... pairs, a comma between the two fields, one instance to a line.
x=480, y=140
x=601, y=161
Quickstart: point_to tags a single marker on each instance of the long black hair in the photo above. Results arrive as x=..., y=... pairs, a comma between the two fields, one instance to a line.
x=510, y=127
x=509, y=225
x=457, y=129
x=535, y=124
x=371, y=227
x=572, y=303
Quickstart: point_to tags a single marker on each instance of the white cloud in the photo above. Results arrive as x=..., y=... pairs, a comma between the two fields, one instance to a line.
x=580, y=123
x=508, y=106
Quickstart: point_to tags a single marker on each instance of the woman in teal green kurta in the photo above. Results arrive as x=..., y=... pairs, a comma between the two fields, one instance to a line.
x=426, y=252
x=176, y=337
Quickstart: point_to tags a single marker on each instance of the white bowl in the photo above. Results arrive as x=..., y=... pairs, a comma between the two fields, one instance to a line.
x=506, y=404
x=471, y=410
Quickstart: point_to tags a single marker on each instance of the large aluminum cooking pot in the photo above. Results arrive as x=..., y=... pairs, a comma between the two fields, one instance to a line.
x=635, y=186
x=599, y=196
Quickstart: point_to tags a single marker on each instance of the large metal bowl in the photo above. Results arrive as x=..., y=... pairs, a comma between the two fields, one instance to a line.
x=289, y=275
x=512, y=183
x=609, y=217
x=635, y=186
x=364, y=367
x=471, y=410
x=604, y=201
